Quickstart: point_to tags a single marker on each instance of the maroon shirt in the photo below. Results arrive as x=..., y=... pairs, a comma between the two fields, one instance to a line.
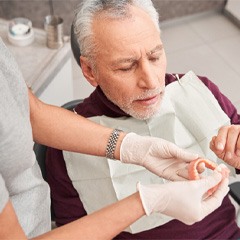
x=67, y=204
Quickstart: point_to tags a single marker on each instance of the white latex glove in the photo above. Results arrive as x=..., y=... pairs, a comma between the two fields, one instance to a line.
x=185, y=201
x=159, y=156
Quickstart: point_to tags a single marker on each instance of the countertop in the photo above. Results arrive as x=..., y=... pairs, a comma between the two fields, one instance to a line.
x=38, y=63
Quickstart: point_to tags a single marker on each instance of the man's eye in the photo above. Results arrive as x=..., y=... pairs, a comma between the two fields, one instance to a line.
x=126, y=69
x=154, y=59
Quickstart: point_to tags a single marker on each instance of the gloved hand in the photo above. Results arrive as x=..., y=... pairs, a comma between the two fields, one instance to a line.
x=185, y=201
x=159, y=156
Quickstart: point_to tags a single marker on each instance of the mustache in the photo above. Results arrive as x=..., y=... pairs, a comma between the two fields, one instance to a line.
x=150, y=93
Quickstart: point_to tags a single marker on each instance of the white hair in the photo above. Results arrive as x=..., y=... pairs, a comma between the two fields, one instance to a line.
x=114, y=9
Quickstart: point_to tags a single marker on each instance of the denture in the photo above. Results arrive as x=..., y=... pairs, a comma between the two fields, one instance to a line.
x=194, y=174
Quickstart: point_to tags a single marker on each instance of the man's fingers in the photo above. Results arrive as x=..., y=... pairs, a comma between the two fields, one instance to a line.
x=231, y=143
x=221, y=138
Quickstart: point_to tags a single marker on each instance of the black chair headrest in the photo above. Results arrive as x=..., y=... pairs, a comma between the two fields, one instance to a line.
x=75, y=46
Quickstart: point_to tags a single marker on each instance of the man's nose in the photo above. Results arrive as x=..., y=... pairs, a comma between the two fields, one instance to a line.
x=147, y=76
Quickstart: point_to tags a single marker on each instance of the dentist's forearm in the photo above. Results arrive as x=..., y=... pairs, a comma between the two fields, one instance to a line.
x=103, y=224
x=59, y=128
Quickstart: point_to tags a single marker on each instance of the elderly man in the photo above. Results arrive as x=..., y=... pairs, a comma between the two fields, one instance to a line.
x=123, y=57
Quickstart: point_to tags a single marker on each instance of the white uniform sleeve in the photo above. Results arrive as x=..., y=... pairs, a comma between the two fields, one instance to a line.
x=4, y=196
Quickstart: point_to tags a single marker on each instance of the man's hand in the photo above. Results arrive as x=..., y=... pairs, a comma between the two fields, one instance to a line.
x=160, y=157
x=226, y=145
x=185, y=201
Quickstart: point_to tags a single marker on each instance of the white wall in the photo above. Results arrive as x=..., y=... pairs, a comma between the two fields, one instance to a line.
x=233, y=6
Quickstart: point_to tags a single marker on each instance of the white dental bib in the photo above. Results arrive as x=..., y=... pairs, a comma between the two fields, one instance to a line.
x=189, y=116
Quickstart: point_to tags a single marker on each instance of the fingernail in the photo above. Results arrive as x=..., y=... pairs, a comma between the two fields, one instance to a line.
x=220, y=146
x=229, y=155
x=238, y=153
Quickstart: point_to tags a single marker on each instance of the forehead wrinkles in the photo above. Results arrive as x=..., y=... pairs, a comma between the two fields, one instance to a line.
x=135, y=37
x=125, y=44
x=111, y=36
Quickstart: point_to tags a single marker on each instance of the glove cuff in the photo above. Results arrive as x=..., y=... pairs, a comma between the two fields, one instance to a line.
x=127, y=154
x=155, y=197
x=140, y=190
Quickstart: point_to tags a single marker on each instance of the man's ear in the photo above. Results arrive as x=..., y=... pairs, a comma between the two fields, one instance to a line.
x=88, y=71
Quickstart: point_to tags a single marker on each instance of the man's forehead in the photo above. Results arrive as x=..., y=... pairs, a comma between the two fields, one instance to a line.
x=111, y=32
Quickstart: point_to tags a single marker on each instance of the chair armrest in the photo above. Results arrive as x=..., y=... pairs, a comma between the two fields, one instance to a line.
x=235, y=191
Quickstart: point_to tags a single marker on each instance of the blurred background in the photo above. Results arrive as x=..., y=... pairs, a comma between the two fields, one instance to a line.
x=36, y=10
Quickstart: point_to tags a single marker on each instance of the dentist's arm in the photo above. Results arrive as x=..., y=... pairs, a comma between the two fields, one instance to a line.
x=110, y=221
x=60, y=128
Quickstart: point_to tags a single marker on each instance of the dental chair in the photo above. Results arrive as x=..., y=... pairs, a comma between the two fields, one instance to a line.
x=234, y=192
x=75, y=47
